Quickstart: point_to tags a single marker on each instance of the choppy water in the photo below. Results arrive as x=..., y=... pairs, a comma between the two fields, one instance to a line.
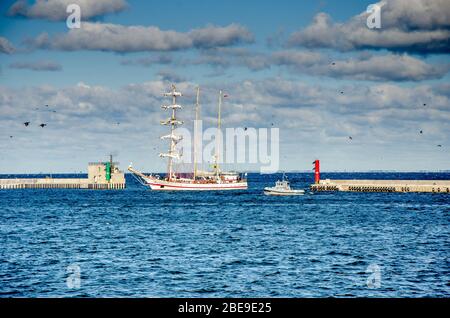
x=242, y=244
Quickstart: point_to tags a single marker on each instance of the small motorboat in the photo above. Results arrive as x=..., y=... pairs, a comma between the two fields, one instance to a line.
x=282, y=187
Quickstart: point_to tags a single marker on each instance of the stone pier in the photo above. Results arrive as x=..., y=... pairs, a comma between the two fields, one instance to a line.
x=101, y=176
x=432, y=186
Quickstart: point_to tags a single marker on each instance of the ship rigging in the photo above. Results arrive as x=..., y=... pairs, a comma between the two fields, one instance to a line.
x=200, y=180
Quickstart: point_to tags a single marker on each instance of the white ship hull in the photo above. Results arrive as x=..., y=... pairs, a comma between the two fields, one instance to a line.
x=164, y=185
x=270, y=191
x=282, y=187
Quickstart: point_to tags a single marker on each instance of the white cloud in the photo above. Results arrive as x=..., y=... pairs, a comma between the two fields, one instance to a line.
x=392, y=67
x=421, y=26
x=380, y=67
x=55, y=10
x=269, y=96
x=213, y=36
x=416, y=14
x=383, y=114
x=6, y=46
x=120, y=38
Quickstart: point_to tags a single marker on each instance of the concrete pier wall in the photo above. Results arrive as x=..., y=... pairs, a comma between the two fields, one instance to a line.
x=433, y=186
x=50, y=183
x=101, y=176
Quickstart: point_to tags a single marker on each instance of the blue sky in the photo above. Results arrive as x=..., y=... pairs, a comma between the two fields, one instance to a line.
x=273, y=57
x=263, y=18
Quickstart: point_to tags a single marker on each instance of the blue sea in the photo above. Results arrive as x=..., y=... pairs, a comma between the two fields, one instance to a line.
x=139, y=243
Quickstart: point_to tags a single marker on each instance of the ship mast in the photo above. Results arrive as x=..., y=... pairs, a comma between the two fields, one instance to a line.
x=174, y=139
x=218, y=139
x=197, y=107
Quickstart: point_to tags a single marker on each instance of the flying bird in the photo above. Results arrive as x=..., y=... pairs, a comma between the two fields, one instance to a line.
x=11, y=136
x=439, y=145
x=342, y=92
x=424, y=104
x=26, y=123
x=333, y=63
x=43, y=125
x=421, y=132
x=350, y=137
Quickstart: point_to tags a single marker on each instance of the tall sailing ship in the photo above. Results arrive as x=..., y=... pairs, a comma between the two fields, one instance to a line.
x=199, y=180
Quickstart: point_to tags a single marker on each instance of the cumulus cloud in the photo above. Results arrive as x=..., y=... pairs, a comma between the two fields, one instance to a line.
x=416, y=14
x=6, y=46
x=391, y=67
x=82, y=105
x=365, y=66
x=288, y=93
x=212, y=36
x=84, y=115
x=37, y=66
x=55, y=10
x=253, y=60
x=122, y=39
x=115, y=38
x=420, y=26
x=381, y=114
